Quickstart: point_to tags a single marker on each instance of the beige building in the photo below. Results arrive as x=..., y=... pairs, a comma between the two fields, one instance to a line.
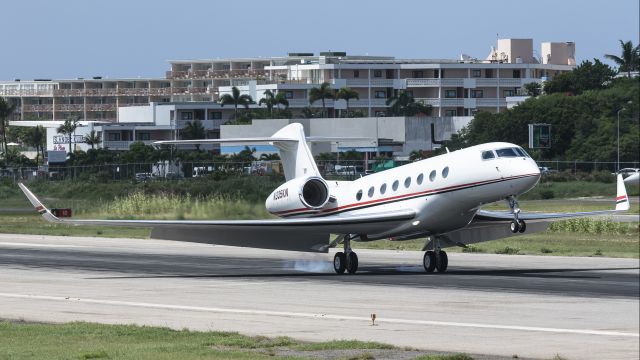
x=455, y=87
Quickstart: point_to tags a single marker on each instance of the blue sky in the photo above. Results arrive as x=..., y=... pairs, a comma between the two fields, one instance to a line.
x=118, y=38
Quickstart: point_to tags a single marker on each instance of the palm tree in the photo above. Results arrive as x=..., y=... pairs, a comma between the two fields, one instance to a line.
x=346, y=94
x=6, y=109
x=194, y=130
x=321, y=93
x=236, y=99
x=35, y=137
x=272, y=100
x=269, y=157
x=69, y=128
x=405, y=105
x=629, y=59
x=93, y=139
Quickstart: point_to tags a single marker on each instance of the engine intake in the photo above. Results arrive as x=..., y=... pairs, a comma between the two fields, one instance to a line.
x=299, y=196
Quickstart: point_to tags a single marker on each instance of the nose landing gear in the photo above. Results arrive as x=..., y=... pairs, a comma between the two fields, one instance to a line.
x=516, y=225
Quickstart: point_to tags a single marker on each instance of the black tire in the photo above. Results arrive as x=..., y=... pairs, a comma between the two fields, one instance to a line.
x=339, y=262
x=352, y=263
x=522, y=226
x=429, y=261
x=442, y=261
x=514, y=226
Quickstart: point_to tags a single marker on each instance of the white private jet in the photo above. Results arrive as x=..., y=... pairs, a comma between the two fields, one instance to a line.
x=439, y=198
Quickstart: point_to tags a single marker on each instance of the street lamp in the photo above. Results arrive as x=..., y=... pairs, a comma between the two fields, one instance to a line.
x=618, y=162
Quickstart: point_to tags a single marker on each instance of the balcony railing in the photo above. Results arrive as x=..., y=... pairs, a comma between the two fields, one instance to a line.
x=38, y=108
x=26, y=92
x=460, y=102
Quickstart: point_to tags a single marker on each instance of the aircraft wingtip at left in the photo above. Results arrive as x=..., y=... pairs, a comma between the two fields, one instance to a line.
x=40, y=208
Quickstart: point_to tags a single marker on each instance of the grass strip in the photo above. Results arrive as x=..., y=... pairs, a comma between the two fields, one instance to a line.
x=80, y=340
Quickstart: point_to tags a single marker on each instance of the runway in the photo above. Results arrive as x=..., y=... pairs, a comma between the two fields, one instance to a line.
x=579, y=308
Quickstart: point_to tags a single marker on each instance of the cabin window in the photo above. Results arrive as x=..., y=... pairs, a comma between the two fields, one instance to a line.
x=383, y=188
x=432, y=176
x=407, y=181
x=506, y=152
x=420, y=178
x=445, y=172
x=395, y=185
x=359, y=195
x=487, y=155
x=370, y=192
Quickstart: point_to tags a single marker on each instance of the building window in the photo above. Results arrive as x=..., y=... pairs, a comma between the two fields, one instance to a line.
x=418, y=74
x=436, y=73
x=288, y=94
x=409, y=93
x=114, y=137
x=488, y=73
x=381, y=94
x=143, y=136
x=508, y=93
x=380, y=114
x=516, y=73
x=477, y=94
x=450, y=113
x=377, y=73
x=215, y=115
x=186, y=115
x=450, y=94
x=476, y=73
x=356, y=73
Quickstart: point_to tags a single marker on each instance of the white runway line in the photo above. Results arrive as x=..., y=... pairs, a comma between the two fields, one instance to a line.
x=16, y=244
x=319, y=316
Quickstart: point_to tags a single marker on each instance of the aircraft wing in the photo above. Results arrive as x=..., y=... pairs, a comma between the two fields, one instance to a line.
x=302, y=234
x=622, y=205
x=492, y=225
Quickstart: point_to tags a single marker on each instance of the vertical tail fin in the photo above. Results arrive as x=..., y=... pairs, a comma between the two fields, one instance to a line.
x=296, y=156
x=622, y=200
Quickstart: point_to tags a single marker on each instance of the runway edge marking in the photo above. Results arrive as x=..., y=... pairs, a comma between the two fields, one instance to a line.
x=318, y=315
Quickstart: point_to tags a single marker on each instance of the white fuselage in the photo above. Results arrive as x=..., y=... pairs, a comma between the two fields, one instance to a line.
x=445, y=191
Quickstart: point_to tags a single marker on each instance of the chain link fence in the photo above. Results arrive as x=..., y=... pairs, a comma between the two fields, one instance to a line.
x=331, y=169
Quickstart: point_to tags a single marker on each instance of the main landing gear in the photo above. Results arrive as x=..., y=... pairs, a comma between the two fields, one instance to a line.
x=516, y=224
x=347, y=260
x=435, y=259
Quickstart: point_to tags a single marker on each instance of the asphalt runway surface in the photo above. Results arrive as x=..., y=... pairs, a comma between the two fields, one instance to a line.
x=502, y=305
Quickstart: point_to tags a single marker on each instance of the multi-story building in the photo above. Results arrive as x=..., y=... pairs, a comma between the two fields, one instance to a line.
x=452, y=87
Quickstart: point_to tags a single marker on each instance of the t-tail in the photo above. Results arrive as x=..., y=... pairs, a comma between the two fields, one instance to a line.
x=297, y=160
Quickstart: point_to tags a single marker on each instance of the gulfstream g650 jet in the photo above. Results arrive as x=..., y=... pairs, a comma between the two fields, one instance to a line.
x=439, y=198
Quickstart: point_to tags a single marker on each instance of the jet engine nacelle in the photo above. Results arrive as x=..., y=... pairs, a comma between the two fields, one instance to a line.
x=310, y=193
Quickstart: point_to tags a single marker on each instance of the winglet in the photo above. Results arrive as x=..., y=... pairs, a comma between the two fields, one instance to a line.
x=622, y=200
x=46, y=214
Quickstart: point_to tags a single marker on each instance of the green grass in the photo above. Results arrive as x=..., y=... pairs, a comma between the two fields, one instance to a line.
x=79, y=340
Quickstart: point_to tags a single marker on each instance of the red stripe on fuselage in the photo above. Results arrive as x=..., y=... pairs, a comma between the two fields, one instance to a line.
x=391, y=198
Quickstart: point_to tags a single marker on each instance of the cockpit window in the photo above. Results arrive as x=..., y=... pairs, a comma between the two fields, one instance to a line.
x=486, y=155
x=520, y=152
x=524, y=152
x=506, y=152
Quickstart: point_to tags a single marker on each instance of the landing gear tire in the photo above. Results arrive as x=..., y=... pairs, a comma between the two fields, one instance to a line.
x=339, y=262
x=522, y=226
x=442, y=261
x=429, y=261
x=352, y=263
x=514, y=226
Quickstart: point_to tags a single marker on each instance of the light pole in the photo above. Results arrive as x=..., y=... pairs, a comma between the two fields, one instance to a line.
x=618, y=162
